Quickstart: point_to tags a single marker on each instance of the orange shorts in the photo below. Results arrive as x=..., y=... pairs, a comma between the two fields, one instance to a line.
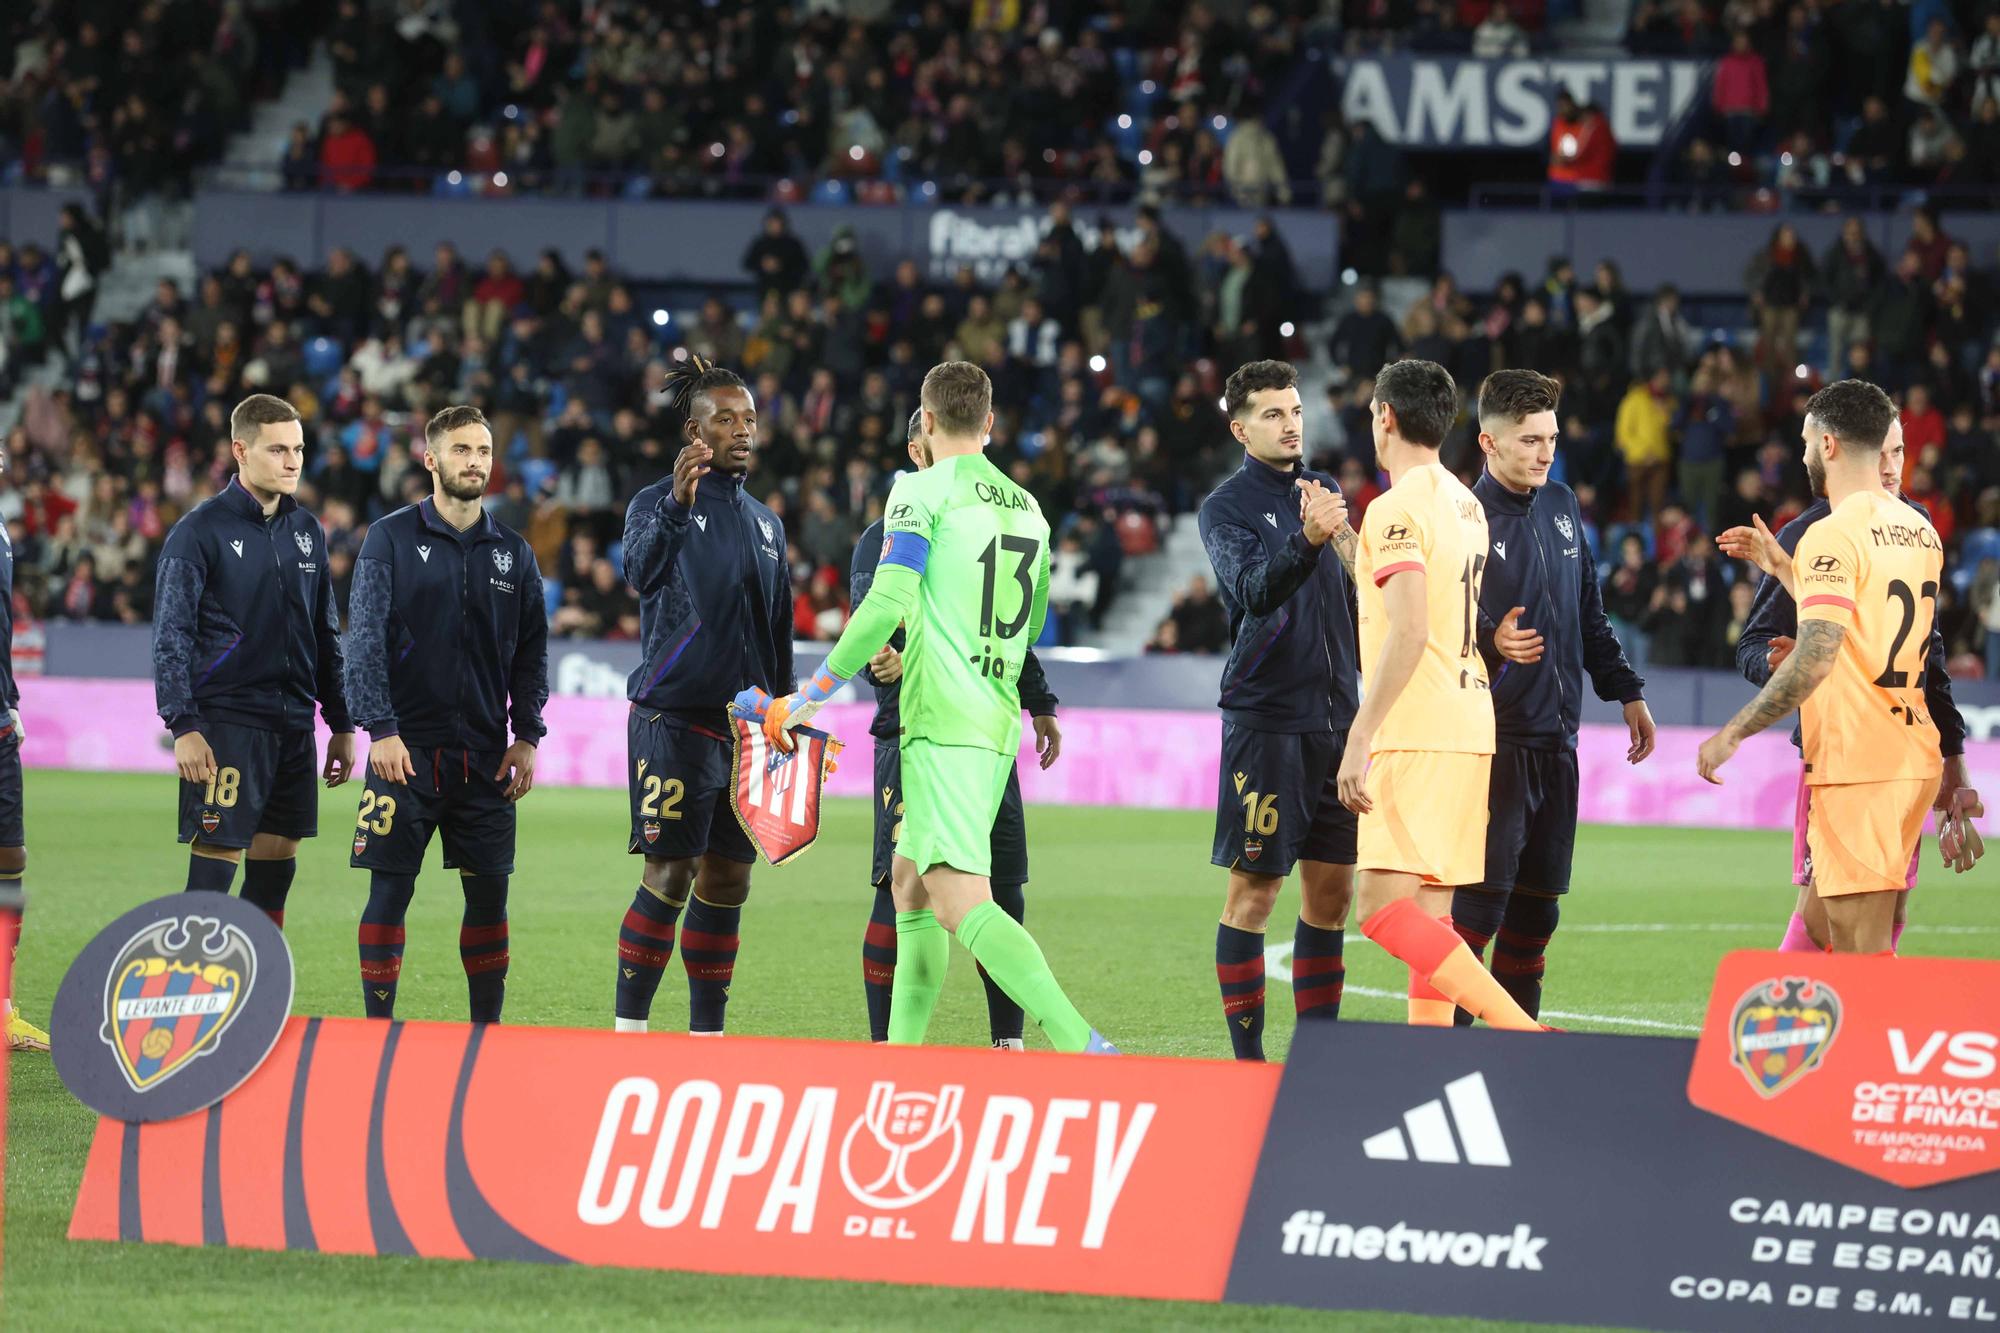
x=1863, y=834
x=1429, y=817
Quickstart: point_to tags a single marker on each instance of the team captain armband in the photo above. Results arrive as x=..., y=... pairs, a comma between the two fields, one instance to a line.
x=912, y=550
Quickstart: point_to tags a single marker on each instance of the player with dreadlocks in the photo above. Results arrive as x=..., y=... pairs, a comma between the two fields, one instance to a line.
x=715, y=614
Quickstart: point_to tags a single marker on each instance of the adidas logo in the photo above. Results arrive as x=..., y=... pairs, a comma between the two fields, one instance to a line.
x=701, y=521
x=424, y=554
x=1430, y=1128
x=1500, y=549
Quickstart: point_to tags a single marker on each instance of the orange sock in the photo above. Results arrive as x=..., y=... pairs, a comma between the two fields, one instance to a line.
x=1428, y=1006
x=1432, y=950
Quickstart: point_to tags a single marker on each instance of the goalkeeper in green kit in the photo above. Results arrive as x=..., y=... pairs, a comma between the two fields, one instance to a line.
x=965, y=562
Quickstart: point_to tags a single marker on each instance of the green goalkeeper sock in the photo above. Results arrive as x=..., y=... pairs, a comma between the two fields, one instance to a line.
x=1012, y=958
x=923, y=952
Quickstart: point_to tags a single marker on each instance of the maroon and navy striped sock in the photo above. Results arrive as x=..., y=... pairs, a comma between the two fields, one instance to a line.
x=1239, y=968
x=645, y=945
x=381, y=940
x=266, y=884
x=482, y=945
x=1319, y=972
x=878, y=963
x=1520, y=949
x=1476, y=913
x=708, y=951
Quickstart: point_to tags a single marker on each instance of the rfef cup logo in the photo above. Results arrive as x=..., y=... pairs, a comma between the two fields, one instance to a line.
x=898, y=1168
x=1780, y=1031
x=171, y=1006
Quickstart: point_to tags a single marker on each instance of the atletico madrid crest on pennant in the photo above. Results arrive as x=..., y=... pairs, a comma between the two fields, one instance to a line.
x=776, y=795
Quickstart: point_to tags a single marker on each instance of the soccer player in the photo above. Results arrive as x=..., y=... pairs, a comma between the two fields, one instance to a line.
x=1769, y=637
x=715, y=612
x=967, y=563
x=1010, y=833
x=1288, y=695
x=1420, y=748
x=246, y=636
x=447, y=644
x=1866, y=581
x=1541, y=567
x=21, y=1034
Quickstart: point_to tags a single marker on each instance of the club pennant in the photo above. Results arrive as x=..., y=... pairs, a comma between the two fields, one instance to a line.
x=775, y=795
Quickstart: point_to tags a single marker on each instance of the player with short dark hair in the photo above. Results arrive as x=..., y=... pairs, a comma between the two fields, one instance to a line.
x=246, y=637
x=447, y=644
x=1542, y=570
x=1866, y=579
x=1288, y=695
x=715, y=614
x=967, y=562
x=1770, y=634
x=1421, y=744
x=20, y=1033
x=1010, y=832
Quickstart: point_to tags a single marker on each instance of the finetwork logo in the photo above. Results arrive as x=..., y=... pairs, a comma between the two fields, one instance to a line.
x=1310, y=1234
x=1430, y=1129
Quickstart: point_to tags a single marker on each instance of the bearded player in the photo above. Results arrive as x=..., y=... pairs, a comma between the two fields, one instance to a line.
x=1768, y=638
x=715, y=616
x=1866, y=580
x=966, y=563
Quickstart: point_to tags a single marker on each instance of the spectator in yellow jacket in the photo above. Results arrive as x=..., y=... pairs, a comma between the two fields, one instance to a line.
x=1641, y=432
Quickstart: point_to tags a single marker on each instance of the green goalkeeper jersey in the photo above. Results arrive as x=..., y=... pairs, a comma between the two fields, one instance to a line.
x=984, y=553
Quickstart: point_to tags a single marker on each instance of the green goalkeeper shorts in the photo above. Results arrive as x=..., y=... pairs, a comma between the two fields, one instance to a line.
x=951, y=794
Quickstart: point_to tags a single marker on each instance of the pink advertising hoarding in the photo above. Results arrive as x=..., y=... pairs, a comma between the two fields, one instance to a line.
x=1141, y=758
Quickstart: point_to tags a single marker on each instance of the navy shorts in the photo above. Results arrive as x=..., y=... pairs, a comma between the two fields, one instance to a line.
x=265, y=782
x=12, y=833
x=1010, y=825
x=1277, y=801
x=679, y=785
x=1530, y=819
x=453, y=793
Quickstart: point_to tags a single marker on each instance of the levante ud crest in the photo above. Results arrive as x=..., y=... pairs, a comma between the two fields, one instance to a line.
x=172, y=992
x=1780, y=1031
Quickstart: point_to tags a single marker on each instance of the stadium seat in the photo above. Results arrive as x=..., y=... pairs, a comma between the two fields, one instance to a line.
x=830, y=191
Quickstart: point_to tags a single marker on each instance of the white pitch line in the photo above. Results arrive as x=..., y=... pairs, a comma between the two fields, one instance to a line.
x=1277, y=962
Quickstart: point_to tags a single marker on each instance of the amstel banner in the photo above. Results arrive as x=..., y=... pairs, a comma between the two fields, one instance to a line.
x=954, y=1167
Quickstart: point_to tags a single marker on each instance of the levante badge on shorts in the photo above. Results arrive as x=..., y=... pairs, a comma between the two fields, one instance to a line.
x=776, y=795
x=172, y=1006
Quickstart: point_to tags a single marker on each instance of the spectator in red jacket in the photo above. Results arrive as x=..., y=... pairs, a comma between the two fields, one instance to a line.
x=1582, y=150
x=346, y=156
x=494, y=297
x=1923, y=428
x=1742, y=93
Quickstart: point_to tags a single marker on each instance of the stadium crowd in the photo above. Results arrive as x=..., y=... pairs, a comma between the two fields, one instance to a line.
x=569, y=365
x=1110, y=354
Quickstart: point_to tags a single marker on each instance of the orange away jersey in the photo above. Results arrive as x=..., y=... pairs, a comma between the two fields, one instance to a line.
x=1872, y=567
x=1430, y=521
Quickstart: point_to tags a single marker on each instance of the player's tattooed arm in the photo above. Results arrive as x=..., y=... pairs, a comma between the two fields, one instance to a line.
x=1790, y=685
x=1795, y=680
x=1347, y=544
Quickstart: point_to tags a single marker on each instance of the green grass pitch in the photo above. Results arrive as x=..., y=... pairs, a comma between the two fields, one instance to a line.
x=1123, y=902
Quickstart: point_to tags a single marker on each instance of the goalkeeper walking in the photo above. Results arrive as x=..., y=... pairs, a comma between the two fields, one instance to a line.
x=965, y=562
